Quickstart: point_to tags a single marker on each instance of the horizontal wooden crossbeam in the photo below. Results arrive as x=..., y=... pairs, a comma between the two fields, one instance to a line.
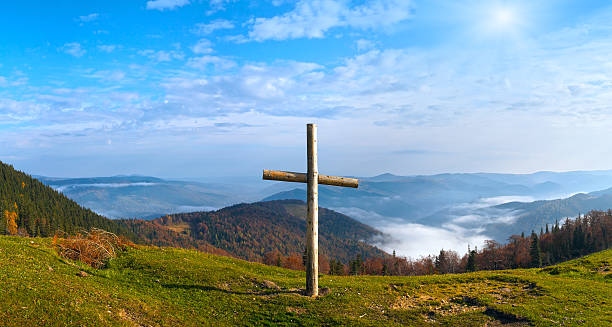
x=288, y=176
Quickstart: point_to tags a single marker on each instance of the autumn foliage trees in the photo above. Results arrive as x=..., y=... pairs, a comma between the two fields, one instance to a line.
x=272, y=232
x=574, y=238
x=11, y=221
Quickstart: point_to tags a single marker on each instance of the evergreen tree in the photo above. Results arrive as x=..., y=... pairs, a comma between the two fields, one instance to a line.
x=356, y=266
x=534, y=251
x=38, y=210
x=385, y=269
x=441, y=262
x=471, y=262
x=279, y=260
x=336, y=267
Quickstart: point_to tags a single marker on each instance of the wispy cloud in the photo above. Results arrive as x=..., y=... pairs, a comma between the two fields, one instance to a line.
x=162, y=55
x=217, y=5
x=203, y=46
x=208, y=28
x=108, y=48
x=463, y=102
x=74, y=49
x=166, y=4
x=204, y=62
x=364, y=45
x=107, y=75
x=312, y=19
x=88, y=18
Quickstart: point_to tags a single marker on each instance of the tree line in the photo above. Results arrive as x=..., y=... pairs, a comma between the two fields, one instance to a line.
x=554, y=243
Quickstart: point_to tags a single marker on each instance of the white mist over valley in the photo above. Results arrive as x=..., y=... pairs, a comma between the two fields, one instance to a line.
x=418, y=215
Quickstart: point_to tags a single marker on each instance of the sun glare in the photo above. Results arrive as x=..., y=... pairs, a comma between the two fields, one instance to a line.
x=502, y=20
x=504, y=16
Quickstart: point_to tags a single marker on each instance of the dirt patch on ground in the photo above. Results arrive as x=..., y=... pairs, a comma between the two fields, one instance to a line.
x=436, y=300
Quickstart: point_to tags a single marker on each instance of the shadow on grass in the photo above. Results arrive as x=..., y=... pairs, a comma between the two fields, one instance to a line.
x=217, y=289
x=53, y=254
x=507, y=319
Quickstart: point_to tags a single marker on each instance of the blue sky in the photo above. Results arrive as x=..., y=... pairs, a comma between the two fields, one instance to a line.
x=189, y=88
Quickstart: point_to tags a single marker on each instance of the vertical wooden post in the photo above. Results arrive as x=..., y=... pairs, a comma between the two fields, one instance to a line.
x=312, y=219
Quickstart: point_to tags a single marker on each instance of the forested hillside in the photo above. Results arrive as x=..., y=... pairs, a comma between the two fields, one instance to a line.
x=550, y=245
x=254, y=231
x=30, y=208
x=248, y=231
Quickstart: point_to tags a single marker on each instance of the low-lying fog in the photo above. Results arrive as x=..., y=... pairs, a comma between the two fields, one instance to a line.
x=455, y=227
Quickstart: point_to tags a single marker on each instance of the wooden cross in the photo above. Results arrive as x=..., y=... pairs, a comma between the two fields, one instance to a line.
x=313, y=179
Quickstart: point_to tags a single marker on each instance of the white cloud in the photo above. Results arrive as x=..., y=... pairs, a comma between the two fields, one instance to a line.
x=108, y=48
x=74, y=49
x=205, y=29
x=203, y=46
x=108, y=75
x=203, y=62
x=277, y=3
x=12, y=111
x=364, y=45
x=464, y=104
x=162, y=55
x=166, y=4
x=88, y=18
x=217, y=5
x=312, y=19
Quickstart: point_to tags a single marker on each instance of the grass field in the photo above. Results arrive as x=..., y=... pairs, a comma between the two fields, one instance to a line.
x=175, y=287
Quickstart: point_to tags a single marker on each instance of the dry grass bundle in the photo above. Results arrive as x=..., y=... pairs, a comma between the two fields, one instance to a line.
x=94, y=248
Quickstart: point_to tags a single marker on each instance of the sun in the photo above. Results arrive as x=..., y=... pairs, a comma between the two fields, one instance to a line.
x=502, y=20
x=504, y=16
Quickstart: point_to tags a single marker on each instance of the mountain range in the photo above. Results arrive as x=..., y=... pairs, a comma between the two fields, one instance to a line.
x=141, y=196
x=246, y=231
x=413, y=197
x=487, y=204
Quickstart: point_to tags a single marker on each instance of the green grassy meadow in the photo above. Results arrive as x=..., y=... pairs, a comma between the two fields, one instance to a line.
x=175, y=287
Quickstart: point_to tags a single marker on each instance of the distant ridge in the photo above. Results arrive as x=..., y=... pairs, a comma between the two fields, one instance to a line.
x=535, y=215
x=137, y=196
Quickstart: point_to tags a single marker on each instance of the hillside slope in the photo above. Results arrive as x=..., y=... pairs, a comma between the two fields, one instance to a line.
x=39, y=210
x=250, y=231
x=174, y=287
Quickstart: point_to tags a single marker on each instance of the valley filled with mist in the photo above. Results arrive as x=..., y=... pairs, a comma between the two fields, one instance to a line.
x=418, y=215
